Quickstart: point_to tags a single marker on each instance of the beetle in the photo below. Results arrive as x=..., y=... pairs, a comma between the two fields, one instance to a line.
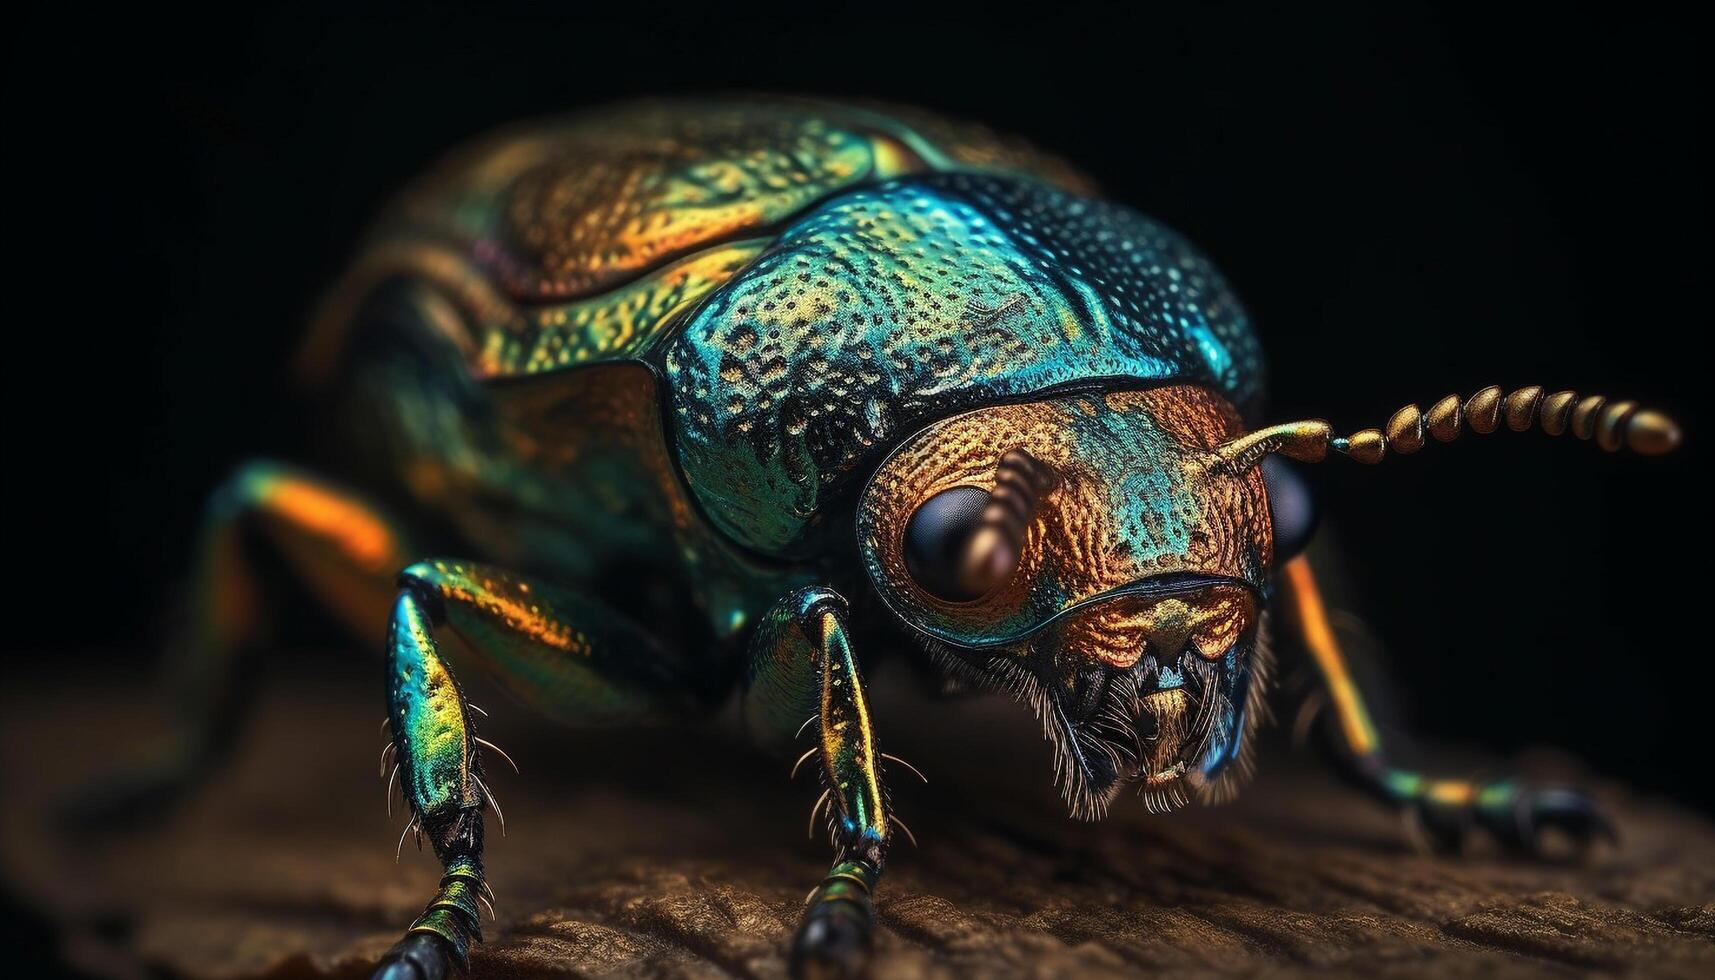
x=631, y=403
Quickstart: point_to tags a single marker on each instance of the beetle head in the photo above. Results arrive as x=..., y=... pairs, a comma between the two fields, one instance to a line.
x=1090, y=554
x=1104, y=557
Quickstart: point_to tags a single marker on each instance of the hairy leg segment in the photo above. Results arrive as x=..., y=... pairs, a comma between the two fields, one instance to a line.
x=1444, y=810
x=559, y=652
x=803, y=674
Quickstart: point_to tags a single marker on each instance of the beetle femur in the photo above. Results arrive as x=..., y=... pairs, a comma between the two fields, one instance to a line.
x=994, y=548
x=1614, y=425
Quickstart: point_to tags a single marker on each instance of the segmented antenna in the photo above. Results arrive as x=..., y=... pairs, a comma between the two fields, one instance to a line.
x=993, y=550
x=1612, y=424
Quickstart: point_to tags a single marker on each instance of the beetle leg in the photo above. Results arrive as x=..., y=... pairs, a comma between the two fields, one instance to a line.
x=342, y=549
x=557, y=651
x=1443, y=810
x=437, y=751
x=802, y=665
x=567, y=656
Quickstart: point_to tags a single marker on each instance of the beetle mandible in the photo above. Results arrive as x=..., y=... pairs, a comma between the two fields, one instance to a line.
x=631, y=402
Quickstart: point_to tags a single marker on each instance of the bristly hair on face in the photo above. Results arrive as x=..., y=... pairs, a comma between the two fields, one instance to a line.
x=1110, y=738
x=1005, y=673
x=1226, y=783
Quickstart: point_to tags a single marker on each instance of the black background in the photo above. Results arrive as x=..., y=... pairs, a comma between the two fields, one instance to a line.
x=1411, y=202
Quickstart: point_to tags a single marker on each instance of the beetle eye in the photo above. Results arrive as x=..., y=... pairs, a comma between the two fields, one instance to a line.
x=937, y=538
x=1291, y=506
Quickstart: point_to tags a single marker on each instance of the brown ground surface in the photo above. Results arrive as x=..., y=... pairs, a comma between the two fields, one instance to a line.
x=669, y=855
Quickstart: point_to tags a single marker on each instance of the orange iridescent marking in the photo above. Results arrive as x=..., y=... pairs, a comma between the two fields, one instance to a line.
x=1319, y=637
x=358, y=534
x=607, y=201
x=1451, y=792
x=512, y=604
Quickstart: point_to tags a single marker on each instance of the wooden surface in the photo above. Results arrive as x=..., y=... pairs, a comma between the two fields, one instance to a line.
x=684, y=854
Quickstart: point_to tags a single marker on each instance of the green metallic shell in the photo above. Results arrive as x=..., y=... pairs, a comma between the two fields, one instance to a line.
x=578, y=241
x=686, y=330
x=891, y=306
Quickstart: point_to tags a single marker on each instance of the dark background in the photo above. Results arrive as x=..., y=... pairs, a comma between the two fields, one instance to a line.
x=1412, y=202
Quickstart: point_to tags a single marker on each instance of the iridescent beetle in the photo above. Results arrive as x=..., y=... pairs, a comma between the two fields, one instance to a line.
x=649, y=391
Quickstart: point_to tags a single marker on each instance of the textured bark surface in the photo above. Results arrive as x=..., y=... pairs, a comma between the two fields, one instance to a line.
x=684, y=854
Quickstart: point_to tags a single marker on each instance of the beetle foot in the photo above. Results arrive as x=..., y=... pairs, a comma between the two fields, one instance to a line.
x=1546, y=824
x=838, y=930
x=419, y=956
x=1535, y=816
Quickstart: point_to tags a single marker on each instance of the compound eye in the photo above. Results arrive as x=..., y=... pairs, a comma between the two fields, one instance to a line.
x=938, y=542
x=1291, y=506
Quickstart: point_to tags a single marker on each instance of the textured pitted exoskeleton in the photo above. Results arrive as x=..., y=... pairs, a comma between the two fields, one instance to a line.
x=1138, y=497
x=894, y=305
x=608, y=399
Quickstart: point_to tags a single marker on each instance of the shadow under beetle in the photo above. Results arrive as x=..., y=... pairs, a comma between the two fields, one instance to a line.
x=629, y=403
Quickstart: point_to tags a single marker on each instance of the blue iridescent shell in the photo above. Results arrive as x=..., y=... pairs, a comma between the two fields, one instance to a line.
x=686, y=331
x=890, y=306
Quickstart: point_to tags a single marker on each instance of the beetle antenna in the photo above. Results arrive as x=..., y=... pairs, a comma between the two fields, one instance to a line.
x=1614, y=425
x=995, y=546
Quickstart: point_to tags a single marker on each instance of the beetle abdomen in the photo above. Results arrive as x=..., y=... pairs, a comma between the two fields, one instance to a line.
x=578, y=241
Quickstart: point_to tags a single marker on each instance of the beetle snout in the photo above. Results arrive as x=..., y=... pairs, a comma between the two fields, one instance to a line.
x=1162, y=668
